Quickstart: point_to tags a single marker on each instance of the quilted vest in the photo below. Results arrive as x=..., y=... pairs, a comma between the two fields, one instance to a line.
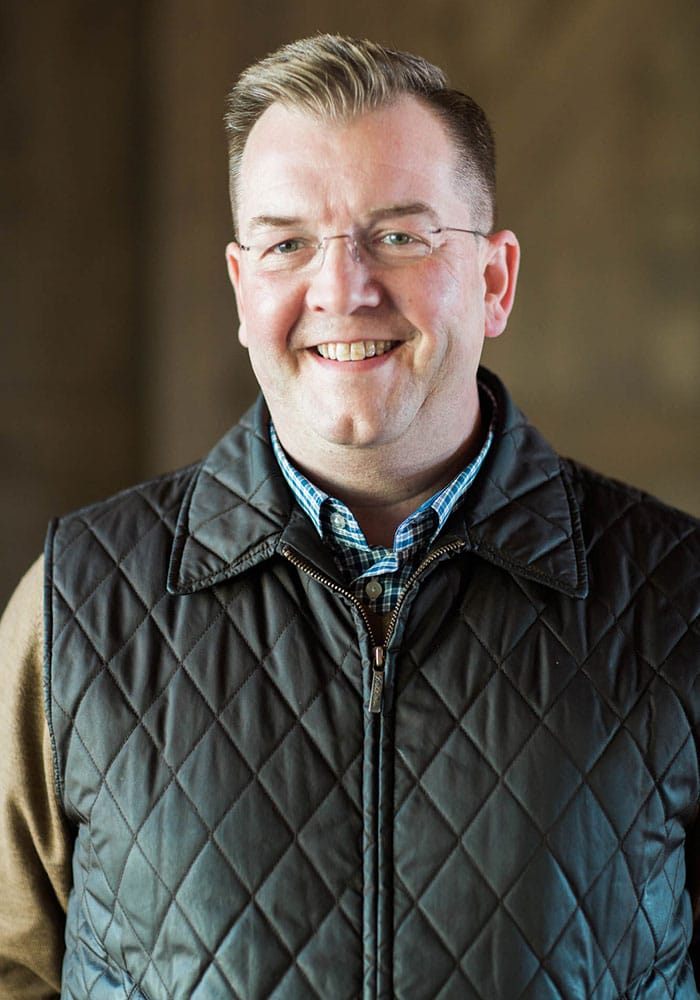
x=494, y=801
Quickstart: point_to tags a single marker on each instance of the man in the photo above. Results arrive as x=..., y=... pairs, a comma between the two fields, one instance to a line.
x=384, y=698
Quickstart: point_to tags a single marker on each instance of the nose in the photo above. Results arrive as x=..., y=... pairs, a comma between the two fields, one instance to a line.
x=351, y=244
x=342, y=283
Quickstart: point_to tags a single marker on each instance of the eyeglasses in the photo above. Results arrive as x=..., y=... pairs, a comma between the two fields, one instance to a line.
x=383, y=248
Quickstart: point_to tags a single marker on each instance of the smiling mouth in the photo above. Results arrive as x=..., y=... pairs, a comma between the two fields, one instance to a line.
x=358, y=350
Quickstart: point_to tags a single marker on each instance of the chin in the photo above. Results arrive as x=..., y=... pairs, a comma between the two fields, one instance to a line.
x=355, y=434
x=349, y=425
x=347, y=438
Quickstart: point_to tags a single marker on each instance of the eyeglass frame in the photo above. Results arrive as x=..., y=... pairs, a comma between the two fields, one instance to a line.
x=355, y=243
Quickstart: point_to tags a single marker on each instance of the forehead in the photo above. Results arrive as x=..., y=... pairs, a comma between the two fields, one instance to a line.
x=295, y=164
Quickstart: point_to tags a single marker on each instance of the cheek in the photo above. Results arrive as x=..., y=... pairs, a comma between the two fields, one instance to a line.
x=436, y=310
x=449, y=290
x=269, y=317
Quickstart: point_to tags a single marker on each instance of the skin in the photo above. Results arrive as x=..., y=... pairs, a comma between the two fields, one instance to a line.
x=383, y=433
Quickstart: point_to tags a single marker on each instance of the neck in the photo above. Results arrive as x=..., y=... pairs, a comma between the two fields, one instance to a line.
x=380, y=513
x=382, y=489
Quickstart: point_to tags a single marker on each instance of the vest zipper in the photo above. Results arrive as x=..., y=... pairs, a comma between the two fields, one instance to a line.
x=378, y=649
x=377, y=962
x=377, y=689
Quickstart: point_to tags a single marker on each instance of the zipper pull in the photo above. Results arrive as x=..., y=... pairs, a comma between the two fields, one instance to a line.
x=375, y=694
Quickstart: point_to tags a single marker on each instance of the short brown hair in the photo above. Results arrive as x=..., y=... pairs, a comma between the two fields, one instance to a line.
x=336, y=78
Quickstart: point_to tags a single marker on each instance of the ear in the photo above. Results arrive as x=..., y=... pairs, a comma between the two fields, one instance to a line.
x=500, y=277
x=233, y=264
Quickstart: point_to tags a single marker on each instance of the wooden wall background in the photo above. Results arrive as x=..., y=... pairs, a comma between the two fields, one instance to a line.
x=118, y=356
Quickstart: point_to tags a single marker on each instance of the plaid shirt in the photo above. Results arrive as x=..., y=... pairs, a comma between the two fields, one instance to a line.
x=375, y=574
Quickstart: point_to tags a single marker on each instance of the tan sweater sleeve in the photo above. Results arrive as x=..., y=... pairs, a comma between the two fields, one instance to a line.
x=35, y=859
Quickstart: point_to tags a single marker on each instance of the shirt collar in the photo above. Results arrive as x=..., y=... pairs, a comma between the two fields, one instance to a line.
x=344, y=531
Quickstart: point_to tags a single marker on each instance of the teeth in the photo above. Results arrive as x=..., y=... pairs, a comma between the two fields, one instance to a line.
x=358, y=350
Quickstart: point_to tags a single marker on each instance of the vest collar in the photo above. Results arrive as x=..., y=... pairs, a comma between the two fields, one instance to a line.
x=520, y=513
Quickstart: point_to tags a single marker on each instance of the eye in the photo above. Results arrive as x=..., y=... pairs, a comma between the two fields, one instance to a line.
x=396, y=246
x=397, y=239
x=289, y=246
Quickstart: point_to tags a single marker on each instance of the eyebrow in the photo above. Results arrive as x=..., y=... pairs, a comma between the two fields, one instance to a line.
x=409, y=208
x=274, y=221
x=374, y=215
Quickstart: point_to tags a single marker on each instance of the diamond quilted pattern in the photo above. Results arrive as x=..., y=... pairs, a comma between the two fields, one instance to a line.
x=318, y=841
x=458, y=874
x=137, y=877
x=543, y=922
x=513, y=827
x=170, y=813
x=483, y=840
x=420, y=976
x=260, y=833
x=579, y=752
x=544, y=792
x=242, y=962
x=500, y=736
x=282, y=776
x=458, y=766
x=295, y=879
x=208, y=769
x=582, y=721
x=501, y=962
x=581, y=821
x=209, y=894
x=312, y=962
x=432, y=842
x=211, y=833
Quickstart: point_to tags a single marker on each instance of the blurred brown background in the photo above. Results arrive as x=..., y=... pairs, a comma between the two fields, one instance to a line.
x=118, y=357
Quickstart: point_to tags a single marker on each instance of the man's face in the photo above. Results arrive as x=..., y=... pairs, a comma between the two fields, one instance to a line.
x=390, y=170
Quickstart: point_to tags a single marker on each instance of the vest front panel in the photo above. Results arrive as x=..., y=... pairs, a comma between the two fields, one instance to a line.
x=545, y=775
x=211, y=749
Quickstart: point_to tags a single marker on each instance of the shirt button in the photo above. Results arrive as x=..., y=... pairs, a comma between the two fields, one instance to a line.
x=373, y=589
x=337, y=521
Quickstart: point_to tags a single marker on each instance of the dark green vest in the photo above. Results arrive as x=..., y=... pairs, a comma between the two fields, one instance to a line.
x=512, y=823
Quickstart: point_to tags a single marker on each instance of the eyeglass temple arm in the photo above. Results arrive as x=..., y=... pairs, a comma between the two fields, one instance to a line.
x=456, y=229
